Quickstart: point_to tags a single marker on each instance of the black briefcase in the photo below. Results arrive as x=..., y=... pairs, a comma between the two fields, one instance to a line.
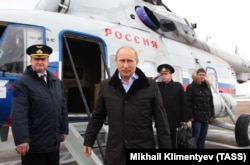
x=184, y=138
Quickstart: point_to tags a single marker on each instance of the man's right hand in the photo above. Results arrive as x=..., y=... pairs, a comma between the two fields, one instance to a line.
x=87, y=150
x=22, y=148
x=156, y=77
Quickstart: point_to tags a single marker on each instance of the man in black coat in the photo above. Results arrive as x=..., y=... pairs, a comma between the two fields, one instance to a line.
x=39, y=117
x=174, y=100
x=133, y=105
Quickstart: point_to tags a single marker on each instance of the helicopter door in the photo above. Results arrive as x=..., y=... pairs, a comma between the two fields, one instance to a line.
x=212, y=77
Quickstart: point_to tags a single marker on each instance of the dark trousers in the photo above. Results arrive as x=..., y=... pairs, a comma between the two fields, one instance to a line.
x=49, y=158
x=174, y=141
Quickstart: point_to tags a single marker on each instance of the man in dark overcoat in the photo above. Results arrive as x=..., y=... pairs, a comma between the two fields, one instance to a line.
x=39, y=117
x=174, y=100
x=133, y=106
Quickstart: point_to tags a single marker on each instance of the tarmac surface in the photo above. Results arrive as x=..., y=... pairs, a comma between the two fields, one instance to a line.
x=218, y=138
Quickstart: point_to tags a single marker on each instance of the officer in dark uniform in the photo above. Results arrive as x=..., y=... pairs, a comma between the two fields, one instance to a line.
x=39, y=117
x=174, y=100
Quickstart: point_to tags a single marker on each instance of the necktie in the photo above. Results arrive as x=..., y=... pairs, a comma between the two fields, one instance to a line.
x=43, y=77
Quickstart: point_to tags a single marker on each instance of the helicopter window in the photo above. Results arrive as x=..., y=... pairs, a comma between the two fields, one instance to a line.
x=2, y=28
x=212, y=77
x=167, y=25
x=147, y=17
x=11, y=50
x=177, y=75
x=149, y=67
x=12, y=46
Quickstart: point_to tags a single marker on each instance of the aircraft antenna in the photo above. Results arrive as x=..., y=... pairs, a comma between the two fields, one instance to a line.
x=236, y=50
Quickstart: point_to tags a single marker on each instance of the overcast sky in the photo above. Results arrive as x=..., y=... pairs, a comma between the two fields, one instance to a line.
x=224, y=21
x=18, y=4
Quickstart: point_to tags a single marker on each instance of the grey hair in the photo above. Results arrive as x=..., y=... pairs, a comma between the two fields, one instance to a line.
x=126, y=47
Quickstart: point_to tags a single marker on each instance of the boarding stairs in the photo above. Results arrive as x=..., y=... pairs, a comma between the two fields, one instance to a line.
x=74, y=144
